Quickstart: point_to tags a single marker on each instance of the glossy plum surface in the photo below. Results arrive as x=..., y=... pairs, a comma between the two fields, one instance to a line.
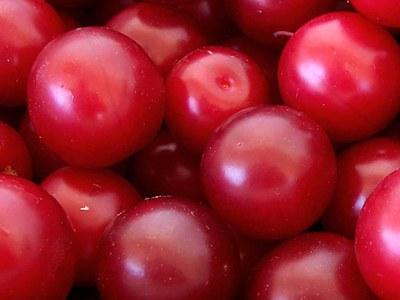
x=91, y=200
x=37, y=250
x=310, y=266
x=272, y=182
x=15, y=158
x=167, y=248
x=343, y=71
x=211, y=15
x=377, y=238
x=268, y=21
x=164, y=34
x=95, y=97
x=26, y=27
x=44, y=160
x=360, y=168
x=206, y=87
x=385, y=12
x=165, y=168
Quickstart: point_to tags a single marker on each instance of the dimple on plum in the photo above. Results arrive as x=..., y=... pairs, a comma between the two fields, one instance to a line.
x=206, y=87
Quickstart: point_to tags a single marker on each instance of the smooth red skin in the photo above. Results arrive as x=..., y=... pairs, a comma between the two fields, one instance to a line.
x=310, y=266
x=167, y=248
x=95, y=97
x=165, y=168
x=37, y=245
x=384, y=12
x=44, y=161
x=26, y=27
x=15, y=158
x=211, y=15
x=343, y=71
x=207, y=87
x=263, y=20
x=269, y=171
x=165, y=35
x=266, y=58
x=377, y=238
x=91, y=200
x=360, y=168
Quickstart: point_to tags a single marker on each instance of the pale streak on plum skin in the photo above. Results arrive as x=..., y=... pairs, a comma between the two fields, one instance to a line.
x=113, y=110
x=37, y=244
x=278, y=189
x=360, y=168
x=91, y=200
x=150, y=252
x=339, y=68
x=27, y=26
x=206, y=87
x=316, y=265
x=166, y=36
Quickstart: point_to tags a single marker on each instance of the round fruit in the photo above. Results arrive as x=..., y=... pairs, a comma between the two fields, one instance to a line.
x=37, y=250
x=167, y=248
x=378, y=238
x=310, y=266
x=269, y=171
x=26, y=27
x=95, y=97
x=91, y=199
x=344, y=72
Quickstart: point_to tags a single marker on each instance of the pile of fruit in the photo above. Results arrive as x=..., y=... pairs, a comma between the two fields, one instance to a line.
x=199, y=149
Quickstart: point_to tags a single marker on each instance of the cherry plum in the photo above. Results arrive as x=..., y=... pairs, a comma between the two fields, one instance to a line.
x=167, y=248
x=15, y=158
x=91, y=199
x=164, y=34
x=384, y=12
x=166, y=168
x=343, y=71
x=211, y=15
x=95, y=97
x=360, y=168
x=377, y=238
x=269, y=21
x=310, y=266
x=26, y=27
x=37, y=245
x=269, y=171
x=206, y=87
